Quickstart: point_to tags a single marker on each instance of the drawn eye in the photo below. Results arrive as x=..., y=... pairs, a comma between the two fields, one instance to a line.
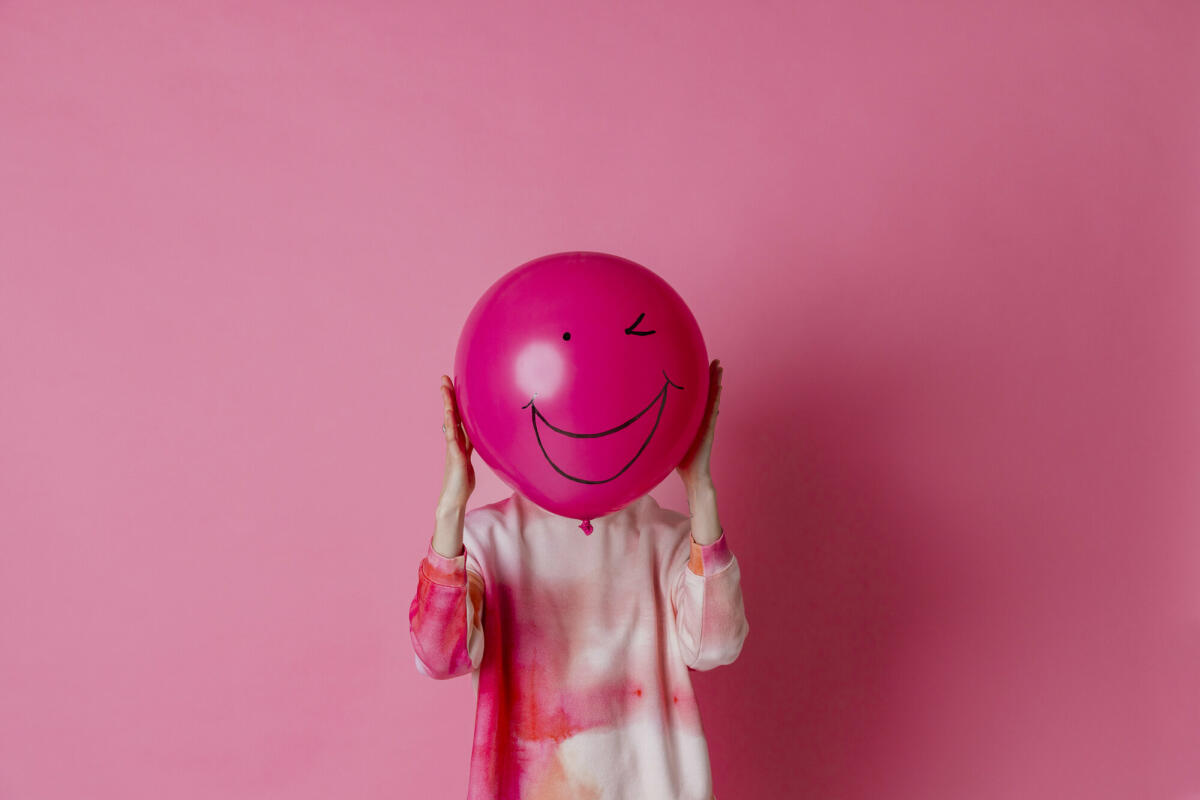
x=630, y=330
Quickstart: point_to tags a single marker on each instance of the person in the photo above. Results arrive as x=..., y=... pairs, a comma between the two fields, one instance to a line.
x=580, y=647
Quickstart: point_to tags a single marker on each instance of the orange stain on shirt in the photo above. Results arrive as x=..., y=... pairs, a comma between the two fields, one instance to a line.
x=444, y=571
x=556, y=784
x=475, y=592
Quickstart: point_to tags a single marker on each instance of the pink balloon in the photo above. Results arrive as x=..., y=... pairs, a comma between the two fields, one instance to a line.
x=581, y=379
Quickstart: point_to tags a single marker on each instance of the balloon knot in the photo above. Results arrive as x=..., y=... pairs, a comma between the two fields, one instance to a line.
x=586, y=526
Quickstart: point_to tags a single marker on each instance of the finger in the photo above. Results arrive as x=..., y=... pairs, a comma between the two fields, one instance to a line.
x=714, y=386
x=453, y=398
x=714, y=402
x=457, y=435
x=459, y=430
x=449, y=422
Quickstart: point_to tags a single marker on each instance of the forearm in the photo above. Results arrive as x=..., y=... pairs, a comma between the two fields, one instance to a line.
x=702, y=500
x=448, y=530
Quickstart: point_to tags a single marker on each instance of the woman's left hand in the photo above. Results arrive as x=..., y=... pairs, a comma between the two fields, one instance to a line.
x=694, y=469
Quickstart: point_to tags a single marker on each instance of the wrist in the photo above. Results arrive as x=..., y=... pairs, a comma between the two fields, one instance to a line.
x=449, y=511
x=448, y=534
x=700, y=489
x=702, y=505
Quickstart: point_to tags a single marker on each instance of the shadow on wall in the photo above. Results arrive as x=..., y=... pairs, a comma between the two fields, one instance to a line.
x=831, y=579
x=954, y=585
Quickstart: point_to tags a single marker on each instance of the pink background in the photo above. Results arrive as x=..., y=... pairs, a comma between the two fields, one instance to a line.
x=946, y=251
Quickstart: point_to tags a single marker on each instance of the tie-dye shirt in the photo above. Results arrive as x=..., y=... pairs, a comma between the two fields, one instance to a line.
x=580, y=648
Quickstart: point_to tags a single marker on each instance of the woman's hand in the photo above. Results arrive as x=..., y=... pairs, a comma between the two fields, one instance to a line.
x=459, y=480
x=694, y=469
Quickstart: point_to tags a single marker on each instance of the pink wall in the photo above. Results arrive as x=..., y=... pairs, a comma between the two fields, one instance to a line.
x=946, y=252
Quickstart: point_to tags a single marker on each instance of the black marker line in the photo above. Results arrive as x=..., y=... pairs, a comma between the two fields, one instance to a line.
x=660, y=398
x=630, y=329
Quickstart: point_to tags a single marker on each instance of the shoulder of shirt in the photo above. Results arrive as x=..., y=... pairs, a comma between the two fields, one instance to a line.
x=672, y=529
x=653, y=513
x=665, y=515
x=482, y=523
x=490, y=510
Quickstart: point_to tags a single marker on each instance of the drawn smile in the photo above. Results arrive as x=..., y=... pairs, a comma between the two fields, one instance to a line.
x=659, y=400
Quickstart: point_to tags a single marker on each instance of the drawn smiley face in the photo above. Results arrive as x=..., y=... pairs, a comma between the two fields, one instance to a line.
x=581, y=379
x=656, y=407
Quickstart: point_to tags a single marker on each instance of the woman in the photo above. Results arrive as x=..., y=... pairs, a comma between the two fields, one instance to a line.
x=580, y=646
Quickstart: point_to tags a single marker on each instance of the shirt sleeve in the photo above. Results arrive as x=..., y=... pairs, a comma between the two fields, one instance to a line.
x=446, y=616
x=706, y=594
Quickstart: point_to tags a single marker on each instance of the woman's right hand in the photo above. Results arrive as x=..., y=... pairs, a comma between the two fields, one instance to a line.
x=459, y=479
